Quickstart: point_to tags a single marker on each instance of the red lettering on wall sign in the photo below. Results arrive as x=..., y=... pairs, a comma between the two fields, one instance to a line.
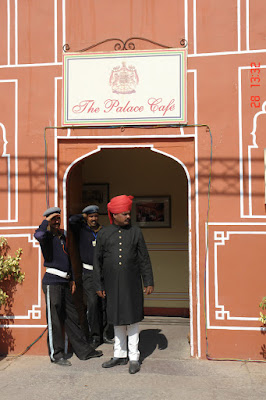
x=156, y=105
x=85, y=105
x=115, y=105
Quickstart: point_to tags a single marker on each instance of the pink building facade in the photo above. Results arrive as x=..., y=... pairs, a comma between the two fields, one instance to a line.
x=209, y=263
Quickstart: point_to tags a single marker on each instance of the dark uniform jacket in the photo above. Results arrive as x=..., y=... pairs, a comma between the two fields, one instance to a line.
x=121, y=263
x=84, y=237
x=55, y=254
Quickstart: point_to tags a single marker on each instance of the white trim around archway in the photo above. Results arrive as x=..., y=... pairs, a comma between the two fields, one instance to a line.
x=152, y=148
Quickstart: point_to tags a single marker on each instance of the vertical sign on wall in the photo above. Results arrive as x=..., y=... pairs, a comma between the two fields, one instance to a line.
x=125, y=88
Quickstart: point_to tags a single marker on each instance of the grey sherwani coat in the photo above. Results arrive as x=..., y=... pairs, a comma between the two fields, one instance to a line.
x=121, y=264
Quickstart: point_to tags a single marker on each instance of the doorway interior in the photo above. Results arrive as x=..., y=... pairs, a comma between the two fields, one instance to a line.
x=142, y=172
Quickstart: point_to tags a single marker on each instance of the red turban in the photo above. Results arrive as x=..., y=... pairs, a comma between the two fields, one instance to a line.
x=119, y=204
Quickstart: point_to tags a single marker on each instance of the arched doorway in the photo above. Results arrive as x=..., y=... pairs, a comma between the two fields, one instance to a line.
x=145, y=173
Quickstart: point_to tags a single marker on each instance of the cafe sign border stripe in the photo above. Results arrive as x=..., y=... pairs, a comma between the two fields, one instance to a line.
x=181, y=118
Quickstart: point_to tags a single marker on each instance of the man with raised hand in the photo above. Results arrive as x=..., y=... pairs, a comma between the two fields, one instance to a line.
x=58, y=286
x=85, y=228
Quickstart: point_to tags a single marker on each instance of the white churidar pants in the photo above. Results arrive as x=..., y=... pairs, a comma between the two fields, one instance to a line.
x=120, y=346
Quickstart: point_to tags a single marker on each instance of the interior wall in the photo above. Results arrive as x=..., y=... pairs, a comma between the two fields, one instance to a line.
x=142, y=172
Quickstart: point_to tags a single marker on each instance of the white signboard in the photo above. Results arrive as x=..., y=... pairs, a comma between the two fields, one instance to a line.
x=125, y=88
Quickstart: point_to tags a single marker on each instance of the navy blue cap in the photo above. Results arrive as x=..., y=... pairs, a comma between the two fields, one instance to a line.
x=90, y=209
x=52, y=210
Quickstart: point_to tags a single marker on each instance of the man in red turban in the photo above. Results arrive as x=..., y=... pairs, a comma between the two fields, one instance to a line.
x=121, y=265
x=119, y=204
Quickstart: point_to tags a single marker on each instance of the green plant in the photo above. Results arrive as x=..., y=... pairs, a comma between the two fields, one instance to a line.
x=9, y=268
x=263, y=306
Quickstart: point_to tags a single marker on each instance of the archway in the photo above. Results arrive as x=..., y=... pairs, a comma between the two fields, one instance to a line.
x=145, y=173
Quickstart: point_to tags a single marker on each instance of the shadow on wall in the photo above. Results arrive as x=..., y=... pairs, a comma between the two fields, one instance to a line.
x=263, y=347
x=10, y=276
x=7, y=342
x=225, y=175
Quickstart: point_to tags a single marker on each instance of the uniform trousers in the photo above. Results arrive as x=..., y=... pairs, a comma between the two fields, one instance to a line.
x=120, y=346
x=96, y=310
x=60, y=311
x=94, y=307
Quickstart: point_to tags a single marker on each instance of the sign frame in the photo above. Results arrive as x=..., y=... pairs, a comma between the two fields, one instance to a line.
x=141, y=89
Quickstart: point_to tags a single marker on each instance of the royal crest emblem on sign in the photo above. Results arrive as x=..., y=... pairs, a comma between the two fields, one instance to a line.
x=123, y=79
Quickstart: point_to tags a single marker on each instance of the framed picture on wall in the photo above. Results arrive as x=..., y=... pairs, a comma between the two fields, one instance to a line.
x=96, y=193
x=151, y=211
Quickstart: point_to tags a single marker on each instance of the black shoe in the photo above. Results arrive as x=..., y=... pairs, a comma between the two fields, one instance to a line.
x=95, y=343
x=115, y=361
x=108, y=341
x=134, y=366
x=62, y=361
x=94, y=354
x=67, y=356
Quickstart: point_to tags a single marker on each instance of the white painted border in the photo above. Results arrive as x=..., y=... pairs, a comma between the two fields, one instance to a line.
x=7, y=156
x=30, y=65
x=250, y=147
x=237, y=328
x=237, y=223
x=115, y=137
x=197, y=212
x=241, y=149
x=35, y=312
x=55, y=31
x=194, y=27
x=16, y=50
x=17, y=227
x=223, y=327
x=186, y=19
x=56, y=79
x=22, y=326
x=64, y=21
x=219, y=240
x=34, y=307
x=247, y=25
x=13, y=211
x=186, y=33
x=238, y=25
x=8, y=31
x=16, y=32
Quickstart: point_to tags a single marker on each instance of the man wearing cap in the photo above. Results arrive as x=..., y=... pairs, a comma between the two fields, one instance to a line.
x=121, y=265
x=85, y=228
x=58, y=286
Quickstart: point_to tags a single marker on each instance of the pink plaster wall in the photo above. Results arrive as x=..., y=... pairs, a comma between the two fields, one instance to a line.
x=221, y=48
